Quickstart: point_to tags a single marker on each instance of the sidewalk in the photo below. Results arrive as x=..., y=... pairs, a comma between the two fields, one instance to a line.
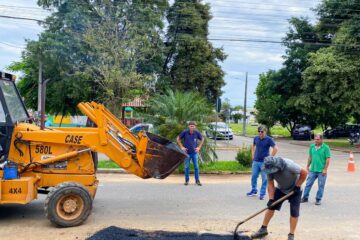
x=356, y=149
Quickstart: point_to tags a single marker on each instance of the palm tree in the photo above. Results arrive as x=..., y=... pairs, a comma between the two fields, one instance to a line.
x=180, y=107
x=171, y=111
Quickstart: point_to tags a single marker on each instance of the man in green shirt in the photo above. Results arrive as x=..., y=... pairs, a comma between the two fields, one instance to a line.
x=318, y=163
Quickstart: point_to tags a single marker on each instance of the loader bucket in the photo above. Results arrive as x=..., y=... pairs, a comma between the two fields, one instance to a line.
x=162, y=156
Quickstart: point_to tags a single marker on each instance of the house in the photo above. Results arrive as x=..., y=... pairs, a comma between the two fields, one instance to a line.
x=127, y=113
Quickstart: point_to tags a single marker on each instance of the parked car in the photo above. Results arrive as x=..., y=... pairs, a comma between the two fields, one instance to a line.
x=354, y=138
x=147, y=127
x=343, y=130
x=303, y=132
x=221, y=131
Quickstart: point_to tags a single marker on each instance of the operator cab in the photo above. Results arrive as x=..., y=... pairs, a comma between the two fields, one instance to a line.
x=12, y=111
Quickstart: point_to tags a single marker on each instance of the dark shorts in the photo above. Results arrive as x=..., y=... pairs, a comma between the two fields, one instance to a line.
x=294, y=201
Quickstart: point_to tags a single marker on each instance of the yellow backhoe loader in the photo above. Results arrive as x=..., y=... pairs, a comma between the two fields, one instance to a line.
x=61, y=162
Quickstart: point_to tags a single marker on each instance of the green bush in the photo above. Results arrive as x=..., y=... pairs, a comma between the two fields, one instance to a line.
x=244, y=156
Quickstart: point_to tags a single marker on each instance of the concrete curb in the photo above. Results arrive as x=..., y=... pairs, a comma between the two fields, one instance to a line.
x=345, y=151
x=332, y=148
x=122, y=171
x=228, y=148
x=112, y=170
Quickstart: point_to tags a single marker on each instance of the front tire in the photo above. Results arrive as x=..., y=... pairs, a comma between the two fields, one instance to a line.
x=68, y=204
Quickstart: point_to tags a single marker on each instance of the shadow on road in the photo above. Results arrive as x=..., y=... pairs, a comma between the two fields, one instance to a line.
x=116, y=233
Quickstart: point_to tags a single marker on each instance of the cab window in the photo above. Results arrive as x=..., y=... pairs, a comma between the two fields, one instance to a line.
x=2, y=114
x=13, y=101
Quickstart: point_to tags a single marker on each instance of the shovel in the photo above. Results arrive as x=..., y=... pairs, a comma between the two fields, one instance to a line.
x=236, y=236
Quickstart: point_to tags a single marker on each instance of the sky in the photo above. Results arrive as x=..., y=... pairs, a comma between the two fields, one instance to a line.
x=239, y=22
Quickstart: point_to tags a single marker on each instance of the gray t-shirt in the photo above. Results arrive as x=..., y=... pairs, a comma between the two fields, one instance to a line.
x=287, y=178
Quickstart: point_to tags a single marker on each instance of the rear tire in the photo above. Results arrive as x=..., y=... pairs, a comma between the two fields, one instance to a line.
x=68, y=204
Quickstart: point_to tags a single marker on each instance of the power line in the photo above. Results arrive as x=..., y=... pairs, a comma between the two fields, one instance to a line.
x=22, y=18
x=280, y=42
x=11, y=45
x=266, y=4
x=232, y=20
x=24, y=7
x=275, y=18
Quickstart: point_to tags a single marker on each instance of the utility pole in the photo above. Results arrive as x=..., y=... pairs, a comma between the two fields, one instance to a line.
x=244, y=117
x=41, y=96
x=39, y=87
x=218, y=108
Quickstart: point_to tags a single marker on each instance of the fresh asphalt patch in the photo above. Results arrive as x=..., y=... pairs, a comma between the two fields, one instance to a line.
x=116, y=233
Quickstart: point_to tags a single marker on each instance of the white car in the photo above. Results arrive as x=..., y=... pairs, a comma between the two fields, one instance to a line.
x=221, y=131
x=147, y=127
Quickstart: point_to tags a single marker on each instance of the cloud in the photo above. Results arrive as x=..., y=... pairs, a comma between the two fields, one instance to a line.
x=13, y=32
x=252, y=20
x=261, y=56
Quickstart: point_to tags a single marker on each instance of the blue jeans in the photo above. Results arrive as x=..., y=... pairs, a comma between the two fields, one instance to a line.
x=194, y=158
x=310, y=181
x=255, y=171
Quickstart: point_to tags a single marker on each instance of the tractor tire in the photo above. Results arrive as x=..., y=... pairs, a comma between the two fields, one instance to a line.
x=68, y=204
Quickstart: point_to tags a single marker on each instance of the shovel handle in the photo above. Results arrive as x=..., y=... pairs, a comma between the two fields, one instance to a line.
x=262, y=210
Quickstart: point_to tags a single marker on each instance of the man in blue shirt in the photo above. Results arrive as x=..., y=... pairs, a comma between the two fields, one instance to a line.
x=260, y=150
x=191, y=147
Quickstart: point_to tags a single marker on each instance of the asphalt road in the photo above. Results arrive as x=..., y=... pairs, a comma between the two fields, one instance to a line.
x=128, y=202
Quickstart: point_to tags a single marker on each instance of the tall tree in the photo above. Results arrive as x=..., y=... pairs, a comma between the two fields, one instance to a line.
x=61, y=51
x=99, y=50
x=331, y=87
x=125, y=48
x=267, y=103
x=192, y=63
x=285, y=84
x=319, y=82
x=331, y=82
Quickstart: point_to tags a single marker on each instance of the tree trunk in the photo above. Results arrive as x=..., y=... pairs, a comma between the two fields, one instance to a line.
x=269, y=130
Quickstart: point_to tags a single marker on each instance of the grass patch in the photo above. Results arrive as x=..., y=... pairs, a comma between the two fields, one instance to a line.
x=107, y=164
x=252, y=130
x=276, y=130
x=318, y=130
x=223, y=166
x=339, y=144
x=219, y=166
x=238, y=127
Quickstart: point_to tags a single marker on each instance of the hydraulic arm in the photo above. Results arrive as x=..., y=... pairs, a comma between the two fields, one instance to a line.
x=145, y=155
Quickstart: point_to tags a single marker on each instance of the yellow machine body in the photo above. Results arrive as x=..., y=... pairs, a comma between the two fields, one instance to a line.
x=62, y=161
